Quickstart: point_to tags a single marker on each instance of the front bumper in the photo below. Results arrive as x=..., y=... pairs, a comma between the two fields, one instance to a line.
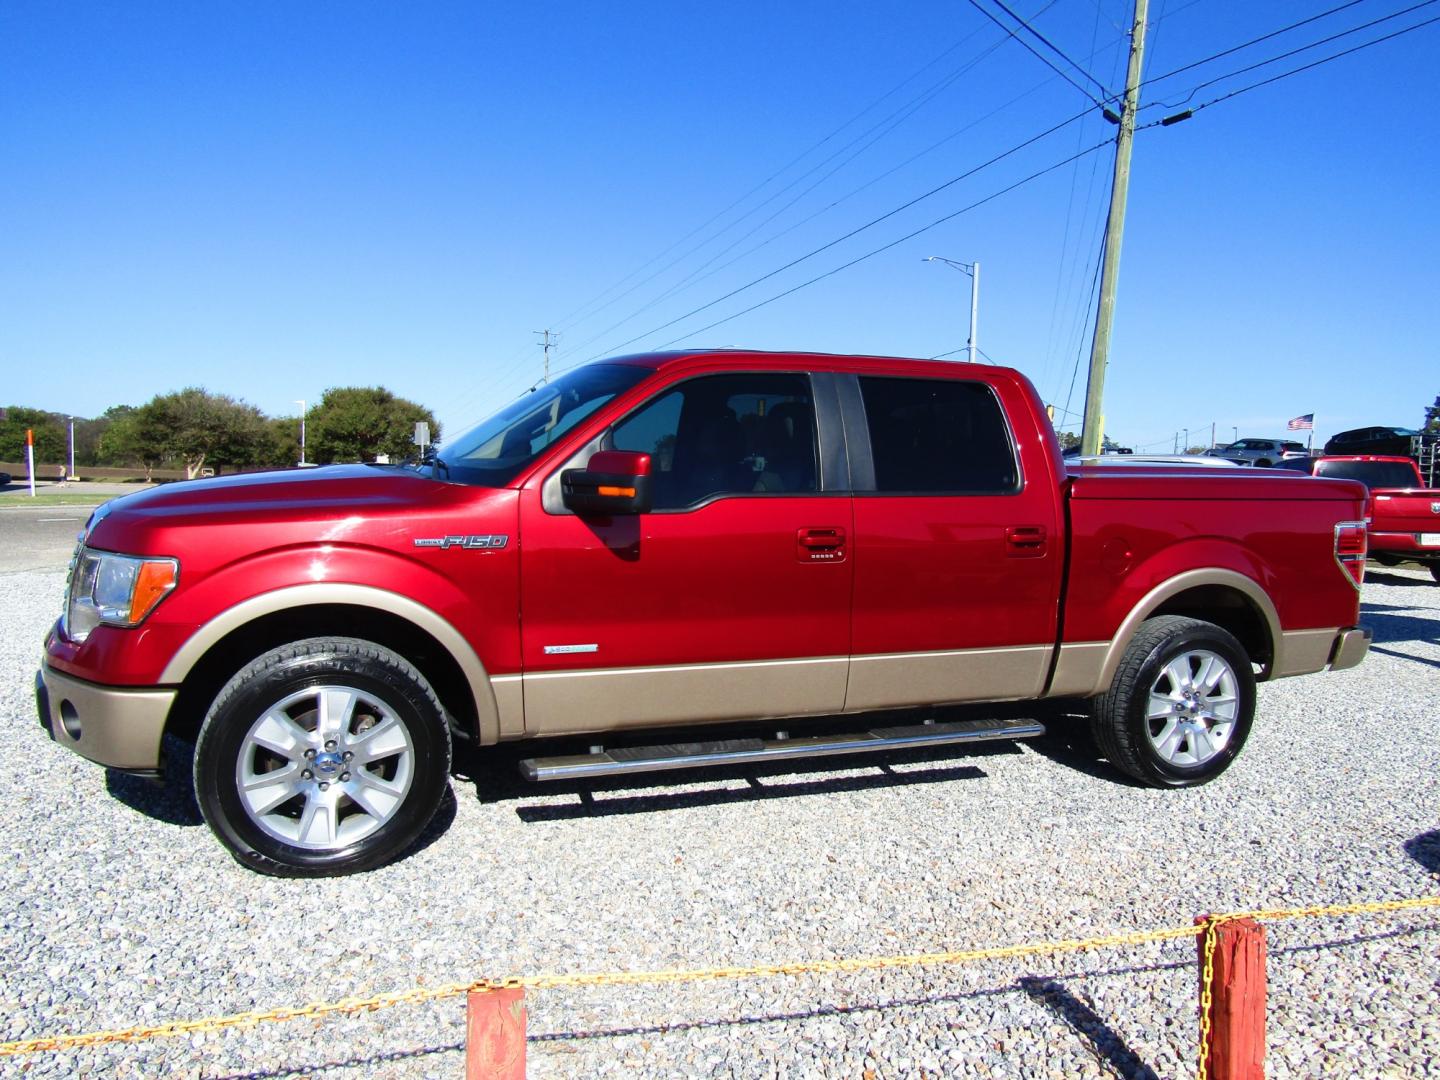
x=1350, y=648
x=114, y=726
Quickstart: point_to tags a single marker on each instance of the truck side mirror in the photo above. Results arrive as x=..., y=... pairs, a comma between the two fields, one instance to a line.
x=612, y=482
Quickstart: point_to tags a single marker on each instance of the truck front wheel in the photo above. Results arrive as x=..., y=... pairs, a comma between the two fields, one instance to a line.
x=1180, y=706
x=327, y=756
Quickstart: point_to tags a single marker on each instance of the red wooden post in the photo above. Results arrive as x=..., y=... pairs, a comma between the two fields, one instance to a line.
x=1237, y=1000
x=495, y=1034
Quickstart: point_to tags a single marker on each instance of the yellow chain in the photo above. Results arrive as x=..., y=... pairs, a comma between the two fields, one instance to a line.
x=1207, y=978
x=630, y=978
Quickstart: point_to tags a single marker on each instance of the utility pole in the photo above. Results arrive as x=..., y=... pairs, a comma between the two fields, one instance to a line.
x=70, y=472
x=547, y=345
x=1115, y=229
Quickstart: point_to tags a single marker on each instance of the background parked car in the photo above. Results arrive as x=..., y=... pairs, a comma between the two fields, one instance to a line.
x=5, y=479
x=1372, y=440
x=1259, y=452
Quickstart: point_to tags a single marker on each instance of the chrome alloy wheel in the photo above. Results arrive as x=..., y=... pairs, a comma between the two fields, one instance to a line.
x=325, y=767
x=1192, y=708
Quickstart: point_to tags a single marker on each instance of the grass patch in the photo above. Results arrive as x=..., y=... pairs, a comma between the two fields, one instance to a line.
x=10, y=500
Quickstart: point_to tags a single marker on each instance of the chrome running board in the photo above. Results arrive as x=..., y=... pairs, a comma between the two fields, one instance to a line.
x=636, y=759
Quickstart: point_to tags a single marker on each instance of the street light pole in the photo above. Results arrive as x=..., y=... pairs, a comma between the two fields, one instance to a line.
x=301, y=403
x=70, y=473
x=973, y=269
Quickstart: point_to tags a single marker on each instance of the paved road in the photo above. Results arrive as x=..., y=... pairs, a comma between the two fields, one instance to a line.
x=39, y=538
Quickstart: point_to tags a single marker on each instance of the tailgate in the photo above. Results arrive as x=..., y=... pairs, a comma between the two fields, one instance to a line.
x=1412, y=511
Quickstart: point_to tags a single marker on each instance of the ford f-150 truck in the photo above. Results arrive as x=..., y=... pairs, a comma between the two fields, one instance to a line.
x=697, y=538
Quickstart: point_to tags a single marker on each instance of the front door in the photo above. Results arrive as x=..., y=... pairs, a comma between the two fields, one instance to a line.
x=731, y=600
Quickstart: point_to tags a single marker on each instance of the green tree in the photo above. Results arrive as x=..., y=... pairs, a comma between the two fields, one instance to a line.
x=129, y=440
x=282, y=441
x=191, y=427
x=49, y=428
x=357, y=423
x=1068, y=439
x=1432, y=416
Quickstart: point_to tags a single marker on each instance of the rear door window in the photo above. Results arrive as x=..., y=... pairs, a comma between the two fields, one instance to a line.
x=938, y=436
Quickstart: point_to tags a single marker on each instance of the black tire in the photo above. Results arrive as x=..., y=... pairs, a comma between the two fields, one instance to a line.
x=1435, y=572
x=383, y=703
x=1132, y=740
x=1263, y=463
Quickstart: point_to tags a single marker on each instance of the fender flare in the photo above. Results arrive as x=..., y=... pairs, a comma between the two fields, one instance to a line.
x=1172, y=587
x=297, y=596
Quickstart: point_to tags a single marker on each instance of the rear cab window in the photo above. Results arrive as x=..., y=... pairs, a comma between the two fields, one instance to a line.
x=938, y=436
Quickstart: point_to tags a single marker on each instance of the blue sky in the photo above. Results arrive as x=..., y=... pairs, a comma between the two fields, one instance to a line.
x=271, y=199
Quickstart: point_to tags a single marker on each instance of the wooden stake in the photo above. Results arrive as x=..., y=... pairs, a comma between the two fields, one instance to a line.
x=495, y=1034
x=1237, y=1000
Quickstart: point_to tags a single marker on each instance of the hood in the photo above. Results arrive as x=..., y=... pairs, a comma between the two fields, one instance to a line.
x=305, y=490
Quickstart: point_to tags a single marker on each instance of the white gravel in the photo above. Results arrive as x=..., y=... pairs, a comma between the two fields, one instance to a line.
x=117, y=908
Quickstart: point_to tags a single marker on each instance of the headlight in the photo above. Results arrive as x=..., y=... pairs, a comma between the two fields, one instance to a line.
x=116, y=590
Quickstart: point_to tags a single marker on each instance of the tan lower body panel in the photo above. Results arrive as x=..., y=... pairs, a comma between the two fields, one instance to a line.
x=1078, y=669
x=115, y=727
x=933, y=678
x=509, y=694
x=1300, y=652
x=605, y=700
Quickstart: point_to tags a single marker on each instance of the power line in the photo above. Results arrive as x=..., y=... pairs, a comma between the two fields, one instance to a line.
x=975, y=205
x=704, y=271
x=1065, y=236
x=1295, y=52
x=894, y=243
x=1253, y=41
x=759, y=187
x=1039, y=56
x=894, y=120
x=1293, y=71
x=1054, y=48
x=853, y=232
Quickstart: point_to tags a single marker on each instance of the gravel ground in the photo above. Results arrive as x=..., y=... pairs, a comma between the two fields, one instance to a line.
x=117, y=908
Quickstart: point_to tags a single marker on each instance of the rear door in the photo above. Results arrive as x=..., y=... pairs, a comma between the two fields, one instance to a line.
x=730, y=600
x=958, y=547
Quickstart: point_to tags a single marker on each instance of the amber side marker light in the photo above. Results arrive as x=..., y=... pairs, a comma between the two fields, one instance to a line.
x=622, y=492
x=154, y=580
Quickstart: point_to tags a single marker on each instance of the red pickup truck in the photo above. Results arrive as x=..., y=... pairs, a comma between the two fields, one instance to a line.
x=695, y=538
x=1403, y=515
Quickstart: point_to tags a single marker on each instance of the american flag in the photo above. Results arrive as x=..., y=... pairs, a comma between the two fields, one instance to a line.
x=1302, y=423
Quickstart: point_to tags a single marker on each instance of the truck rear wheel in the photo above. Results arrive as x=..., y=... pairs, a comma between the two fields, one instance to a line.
x=324, y=757
x=1180, y=706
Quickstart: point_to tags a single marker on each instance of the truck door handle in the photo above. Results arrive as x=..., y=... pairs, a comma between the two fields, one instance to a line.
x=820, y=544
x=1025, y=541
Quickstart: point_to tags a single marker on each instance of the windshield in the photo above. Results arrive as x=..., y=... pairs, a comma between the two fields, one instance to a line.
x=493, y=452
x=1373, y=474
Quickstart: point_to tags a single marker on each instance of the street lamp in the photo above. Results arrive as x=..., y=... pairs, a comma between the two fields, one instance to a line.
x=301, y=403
x=973, y=269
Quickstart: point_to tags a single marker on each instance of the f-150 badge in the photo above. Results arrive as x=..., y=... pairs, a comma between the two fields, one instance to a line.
x=470, y=543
